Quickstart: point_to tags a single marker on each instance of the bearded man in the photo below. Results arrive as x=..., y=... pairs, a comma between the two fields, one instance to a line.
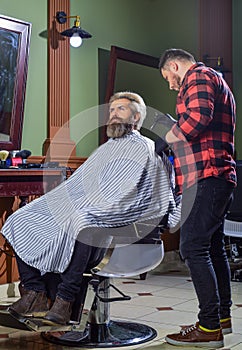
x=123, y=182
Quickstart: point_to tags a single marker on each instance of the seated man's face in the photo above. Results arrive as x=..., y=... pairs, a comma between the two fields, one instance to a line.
x=121, y=118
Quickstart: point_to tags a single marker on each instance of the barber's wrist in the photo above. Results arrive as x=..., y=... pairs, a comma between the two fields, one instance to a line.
x=168, y=137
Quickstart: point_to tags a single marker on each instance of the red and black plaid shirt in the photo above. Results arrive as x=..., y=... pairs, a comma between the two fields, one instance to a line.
x=206, y=118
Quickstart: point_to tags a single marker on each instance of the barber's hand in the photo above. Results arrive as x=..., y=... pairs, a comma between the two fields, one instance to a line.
x=165, y=119
x=162, y=124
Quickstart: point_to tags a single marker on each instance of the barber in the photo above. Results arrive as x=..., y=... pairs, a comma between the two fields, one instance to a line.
x=202, y=141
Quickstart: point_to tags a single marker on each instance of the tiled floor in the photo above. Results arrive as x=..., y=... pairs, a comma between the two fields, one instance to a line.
x=164, y=300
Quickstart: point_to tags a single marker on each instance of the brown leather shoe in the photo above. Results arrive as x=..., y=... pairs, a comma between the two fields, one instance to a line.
x=225, y=324
x=31, y=304
x=60, y=311
x=195, y=336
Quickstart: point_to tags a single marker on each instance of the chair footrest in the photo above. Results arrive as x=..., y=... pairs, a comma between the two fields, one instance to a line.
x=110, y=299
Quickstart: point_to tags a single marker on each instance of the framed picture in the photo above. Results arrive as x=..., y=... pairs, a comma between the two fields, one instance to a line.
x=14, y=53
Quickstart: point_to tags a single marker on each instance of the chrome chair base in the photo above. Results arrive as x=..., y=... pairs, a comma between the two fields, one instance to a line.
x=115, y=334
x=98, y=330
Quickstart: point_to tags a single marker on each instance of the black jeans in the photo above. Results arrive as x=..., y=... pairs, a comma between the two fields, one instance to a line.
x=69, y=282
x=203, y=249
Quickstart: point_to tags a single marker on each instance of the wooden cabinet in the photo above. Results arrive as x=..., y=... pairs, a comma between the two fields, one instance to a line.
x=17, y=187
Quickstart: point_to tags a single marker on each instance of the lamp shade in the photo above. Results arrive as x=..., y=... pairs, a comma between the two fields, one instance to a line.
x=76, y=30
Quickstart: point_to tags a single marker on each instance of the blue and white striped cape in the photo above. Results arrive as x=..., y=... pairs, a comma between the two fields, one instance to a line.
x=122, y=182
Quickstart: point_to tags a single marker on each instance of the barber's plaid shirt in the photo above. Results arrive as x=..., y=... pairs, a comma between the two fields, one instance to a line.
x=206, y=121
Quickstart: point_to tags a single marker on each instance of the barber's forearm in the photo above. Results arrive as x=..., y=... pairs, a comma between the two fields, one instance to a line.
x=171, y=138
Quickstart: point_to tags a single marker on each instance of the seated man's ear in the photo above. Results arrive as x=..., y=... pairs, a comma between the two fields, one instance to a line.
x=137, y=117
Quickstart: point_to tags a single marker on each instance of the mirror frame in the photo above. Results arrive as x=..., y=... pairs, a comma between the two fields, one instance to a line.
x=119, y=53
x=24, y=30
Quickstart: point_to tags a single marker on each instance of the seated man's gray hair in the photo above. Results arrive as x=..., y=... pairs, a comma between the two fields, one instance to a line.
x=136, y=100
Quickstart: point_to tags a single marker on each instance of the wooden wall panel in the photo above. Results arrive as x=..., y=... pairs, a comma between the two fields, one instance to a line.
x=216, y=33
x=58, y=146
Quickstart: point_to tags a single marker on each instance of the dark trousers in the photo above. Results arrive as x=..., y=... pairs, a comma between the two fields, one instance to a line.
x=203, y=249
x=67, y=284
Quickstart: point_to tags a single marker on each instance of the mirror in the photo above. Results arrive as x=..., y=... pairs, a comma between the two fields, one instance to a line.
x=117, y=55
x=14, y=42
x=138, y=72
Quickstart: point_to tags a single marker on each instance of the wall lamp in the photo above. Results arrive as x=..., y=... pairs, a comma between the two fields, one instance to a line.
x=76, y=33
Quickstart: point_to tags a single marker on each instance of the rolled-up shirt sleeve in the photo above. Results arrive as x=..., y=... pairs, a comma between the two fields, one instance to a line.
x=195, y=106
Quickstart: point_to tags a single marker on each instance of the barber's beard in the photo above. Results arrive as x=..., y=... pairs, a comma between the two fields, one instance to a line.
x=178, y=82
x=119, y=129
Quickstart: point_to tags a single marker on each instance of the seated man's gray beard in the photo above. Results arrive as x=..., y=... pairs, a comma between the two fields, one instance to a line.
x=119, y=129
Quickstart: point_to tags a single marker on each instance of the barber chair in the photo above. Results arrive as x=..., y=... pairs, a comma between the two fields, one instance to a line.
x=233, y=228
x=120, y=261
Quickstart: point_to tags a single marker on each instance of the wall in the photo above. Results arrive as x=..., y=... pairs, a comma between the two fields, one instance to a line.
x=147, y=26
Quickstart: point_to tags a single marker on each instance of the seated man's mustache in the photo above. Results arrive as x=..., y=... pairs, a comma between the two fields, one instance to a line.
x=116, y=119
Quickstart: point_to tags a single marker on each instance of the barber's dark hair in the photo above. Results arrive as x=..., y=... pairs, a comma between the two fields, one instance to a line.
x=171, y=54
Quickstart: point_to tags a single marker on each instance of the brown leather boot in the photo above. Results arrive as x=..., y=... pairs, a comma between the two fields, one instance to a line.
x=31, y=304
x=60, y=312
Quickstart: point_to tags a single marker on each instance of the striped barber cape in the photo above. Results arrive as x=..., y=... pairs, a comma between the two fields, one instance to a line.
x=123, y=182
